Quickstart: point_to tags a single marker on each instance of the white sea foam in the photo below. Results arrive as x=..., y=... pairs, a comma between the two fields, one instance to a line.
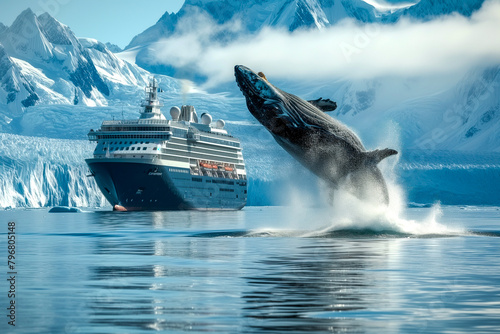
x=313, y=209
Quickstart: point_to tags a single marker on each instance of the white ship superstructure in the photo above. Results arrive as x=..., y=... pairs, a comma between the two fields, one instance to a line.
x=156, y=163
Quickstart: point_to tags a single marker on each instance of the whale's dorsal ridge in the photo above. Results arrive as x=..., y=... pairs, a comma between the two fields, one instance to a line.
x=374, y=157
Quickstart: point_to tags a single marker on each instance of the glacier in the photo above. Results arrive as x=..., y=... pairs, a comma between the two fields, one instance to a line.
x=40, y=172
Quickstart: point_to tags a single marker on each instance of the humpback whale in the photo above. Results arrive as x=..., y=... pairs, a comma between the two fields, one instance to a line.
x=319, y=142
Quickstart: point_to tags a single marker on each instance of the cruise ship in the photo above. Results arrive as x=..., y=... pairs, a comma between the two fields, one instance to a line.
x=155, y=163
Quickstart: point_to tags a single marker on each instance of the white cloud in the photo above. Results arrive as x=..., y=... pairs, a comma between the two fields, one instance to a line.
x=348, y=50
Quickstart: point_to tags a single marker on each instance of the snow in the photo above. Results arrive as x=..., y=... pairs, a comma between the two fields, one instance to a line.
x=446, y=128
x=384, y=6
x=129, y=55
x=51, y=66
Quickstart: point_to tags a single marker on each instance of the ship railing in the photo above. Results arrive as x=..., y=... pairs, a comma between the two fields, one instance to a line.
x=144, y=156
x=139, y=121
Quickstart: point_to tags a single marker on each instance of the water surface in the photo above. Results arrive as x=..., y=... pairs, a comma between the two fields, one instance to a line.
x=262, y=269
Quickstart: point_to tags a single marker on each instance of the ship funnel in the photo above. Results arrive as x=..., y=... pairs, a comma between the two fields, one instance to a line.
x=175, y=112
x=188, y=113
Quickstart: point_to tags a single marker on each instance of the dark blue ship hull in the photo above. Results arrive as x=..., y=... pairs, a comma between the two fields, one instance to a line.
x=131, y=186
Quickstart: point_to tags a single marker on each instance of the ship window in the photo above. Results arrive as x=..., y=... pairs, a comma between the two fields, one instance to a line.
x=144, y=148
x=142, y=142
x=133, y=148
x=105, y=149
x=147, y=142
x=121, y=148
x=126, y=148
x=120, y=143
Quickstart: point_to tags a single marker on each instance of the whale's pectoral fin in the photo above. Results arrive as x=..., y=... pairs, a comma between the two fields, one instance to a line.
x=324, y=104
x=374, y=157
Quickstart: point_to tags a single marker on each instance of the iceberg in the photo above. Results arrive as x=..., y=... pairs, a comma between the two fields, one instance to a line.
x=64, y=209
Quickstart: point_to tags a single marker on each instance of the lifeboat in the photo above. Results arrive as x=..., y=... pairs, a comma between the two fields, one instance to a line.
x=117, y=207
x=228, y=169
x=205, y=165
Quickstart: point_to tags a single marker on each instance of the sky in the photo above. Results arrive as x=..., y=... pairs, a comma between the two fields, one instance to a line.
x=114, y=21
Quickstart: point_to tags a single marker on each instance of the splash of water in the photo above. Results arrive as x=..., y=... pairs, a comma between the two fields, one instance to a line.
x=323, y=216
x=348, y=213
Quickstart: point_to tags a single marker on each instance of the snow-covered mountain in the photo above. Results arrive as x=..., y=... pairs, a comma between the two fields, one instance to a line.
x=237, y=17
x=42, y=62
x=295, y=14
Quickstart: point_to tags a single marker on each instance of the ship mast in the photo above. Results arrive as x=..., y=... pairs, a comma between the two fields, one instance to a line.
x=151, y=104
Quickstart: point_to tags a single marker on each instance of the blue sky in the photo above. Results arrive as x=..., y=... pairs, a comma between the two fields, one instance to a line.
x=115, y=21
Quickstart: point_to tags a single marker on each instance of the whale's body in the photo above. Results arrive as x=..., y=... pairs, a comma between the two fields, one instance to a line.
x=319, y=142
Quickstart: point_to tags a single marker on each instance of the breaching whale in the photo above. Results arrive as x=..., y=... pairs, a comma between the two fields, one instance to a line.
x=319, y=142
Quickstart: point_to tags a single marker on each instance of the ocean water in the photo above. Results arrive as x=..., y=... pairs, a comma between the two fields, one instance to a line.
x=262, y=269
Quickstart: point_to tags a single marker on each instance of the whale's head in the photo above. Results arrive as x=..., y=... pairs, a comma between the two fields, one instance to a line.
x=263, y=99
x=274, y=108
x=277, y=110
